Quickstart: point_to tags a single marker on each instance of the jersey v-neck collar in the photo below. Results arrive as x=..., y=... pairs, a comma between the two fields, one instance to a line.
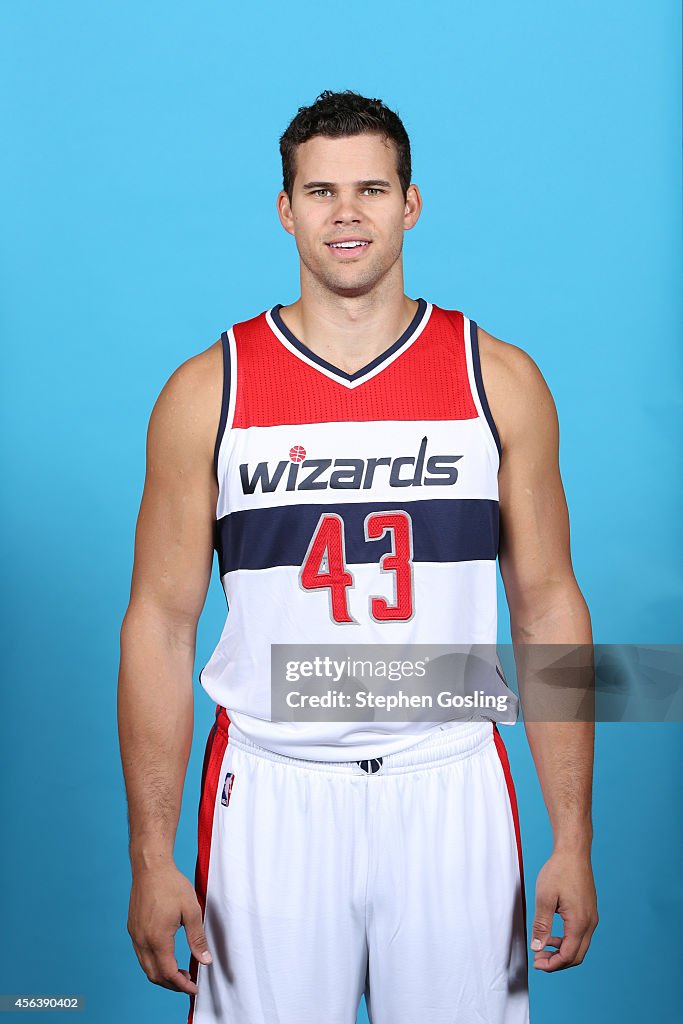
x=371, y=369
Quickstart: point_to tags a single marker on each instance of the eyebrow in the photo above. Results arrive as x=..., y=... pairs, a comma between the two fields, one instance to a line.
x=367, y=183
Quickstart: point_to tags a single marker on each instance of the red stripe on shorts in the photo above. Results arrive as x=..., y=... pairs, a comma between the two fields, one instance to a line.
x=213, y=759
x=503, y=755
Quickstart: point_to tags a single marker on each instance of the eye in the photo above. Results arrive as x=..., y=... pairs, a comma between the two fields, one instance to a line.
x=317, y=191
x=377, y=191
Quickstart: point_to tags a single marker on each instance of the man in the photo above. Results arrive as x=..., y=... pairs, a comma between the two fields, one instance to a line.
x=349, y=457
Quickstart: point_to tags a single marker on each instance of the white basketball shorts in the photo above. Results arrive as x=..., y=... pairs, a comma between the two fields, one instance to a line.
x=400, y=879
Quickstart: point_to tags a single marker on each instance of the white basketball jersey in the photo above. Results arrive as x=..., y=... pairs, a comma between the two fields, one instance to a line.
x=354, y=508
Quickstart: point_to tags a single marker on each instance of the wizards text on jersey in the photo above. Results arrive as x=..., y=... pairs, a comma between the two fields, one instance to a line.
x=304, y=474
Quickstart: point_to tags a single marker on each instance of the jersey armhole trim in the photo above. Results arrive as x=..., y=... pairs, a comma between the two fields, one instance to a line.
x=479, y=381
x=225, y=401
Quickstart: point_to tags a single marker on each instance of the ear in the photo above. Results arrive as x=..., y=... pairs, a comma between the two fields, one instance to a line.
x=413, y=207
x=284, y=212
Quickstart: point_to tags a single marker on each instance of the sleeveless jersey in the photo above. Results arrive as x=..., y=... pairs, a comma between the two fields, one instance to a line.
x=353, y=508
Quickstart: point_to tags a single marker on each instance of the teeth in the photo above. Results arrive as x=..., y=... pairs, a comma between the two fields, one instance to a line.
x=346, y=245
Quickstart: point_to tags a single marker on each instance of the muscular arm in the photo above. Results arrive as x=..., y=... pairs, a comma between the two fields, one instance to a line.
x=546, y=607
x=171, y=573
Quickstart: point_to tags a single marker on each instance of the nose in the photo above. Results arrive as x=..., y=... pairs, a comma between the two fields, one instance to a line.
x=346, y=209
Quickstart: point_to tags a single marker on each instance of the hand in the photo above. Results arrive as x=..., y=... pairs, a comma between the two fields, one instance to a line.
x=161, y=900
x=564, y=886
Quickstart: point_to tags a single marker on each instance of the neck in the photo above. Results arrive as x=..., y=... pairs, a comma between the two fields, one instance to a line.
x=349, y=331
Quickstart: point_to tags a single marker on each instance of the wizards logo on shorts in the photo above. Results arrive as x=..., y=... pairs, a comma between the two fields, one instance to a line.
x=227, y=789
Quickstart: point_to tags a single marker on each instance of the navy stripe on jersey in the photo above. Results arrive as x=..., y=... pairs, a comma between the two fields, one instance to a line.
x=476, y=363
x=306, y=351
x=444, y=530
x=225, y=403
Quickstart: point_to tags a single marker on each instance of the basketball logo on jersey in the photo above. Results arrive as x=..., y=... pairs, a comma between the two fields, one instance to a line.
x=227, y=788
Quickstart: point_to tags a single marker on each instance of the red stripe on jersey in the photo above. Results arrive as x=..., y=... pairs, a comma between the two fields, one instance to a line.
x=428, y=380
x=503, y=755
x=211, y=769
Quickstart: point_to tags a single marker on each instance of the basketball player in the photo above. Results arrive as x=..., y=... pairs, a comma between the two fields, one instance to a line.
x=313, y=447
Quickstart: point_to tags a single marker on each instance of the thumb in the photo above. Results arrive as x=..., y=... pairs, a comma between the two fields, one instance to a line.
x=540, y=933
x=196, y=939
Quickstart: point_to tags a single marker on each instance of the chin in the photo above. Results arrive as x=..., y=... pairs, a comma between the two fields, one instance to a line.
x=348, y=283
x=350, y=289
x=352, y=284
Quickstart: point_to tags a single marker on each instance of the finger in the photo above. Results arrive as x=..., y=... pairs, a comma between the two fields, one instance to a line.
x=543, y=920
x=164, y=967
x=192, y=987
x=583, y=948
x=194, y=931
x=146, y=959
x=167, y=976
x=564, y=957
x=553, y=940
x=541, y=958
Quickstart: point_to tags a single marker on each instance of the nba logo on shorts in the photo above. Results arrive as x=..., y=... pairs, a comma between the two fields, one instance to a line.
x=227, y=789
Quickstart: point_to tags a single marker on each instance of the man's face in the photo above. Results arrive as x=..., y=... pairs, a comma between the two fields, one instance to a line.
x=348, y=190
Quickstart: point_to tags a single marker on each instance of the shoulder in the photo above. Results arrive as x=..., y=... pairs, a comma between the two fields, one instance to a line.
x=187, y=409
x=516, y=390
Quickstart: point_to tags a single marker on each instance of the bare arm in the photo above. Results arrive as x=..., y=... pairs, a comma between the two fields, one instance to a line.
x=546, y=607
x=171, y=574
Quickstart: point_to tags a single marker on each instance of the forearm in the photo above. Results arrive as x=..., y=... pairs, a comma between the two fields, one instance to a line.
x=563, y=755
x=155, y=720
x=556, y=691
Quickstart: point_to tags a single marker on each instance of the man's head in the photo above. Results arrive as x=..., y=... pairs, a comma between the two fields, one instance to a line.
x=346, y=177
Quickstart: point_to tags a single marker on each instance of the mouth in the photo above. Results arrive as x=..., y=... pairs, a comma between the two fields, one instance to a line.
x=348, y=248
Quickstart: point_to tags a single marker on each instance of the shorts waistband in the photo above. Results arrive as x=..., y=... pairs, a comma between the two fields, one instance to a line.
x=450, y=742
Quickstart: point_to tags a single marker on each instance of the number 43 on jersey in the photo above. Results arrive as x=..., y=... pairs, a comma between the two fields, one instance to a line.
x=325, y=564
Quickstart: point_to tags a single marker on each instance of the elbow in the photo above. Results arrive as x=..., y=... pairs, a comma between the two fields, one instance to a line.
x=555, y=612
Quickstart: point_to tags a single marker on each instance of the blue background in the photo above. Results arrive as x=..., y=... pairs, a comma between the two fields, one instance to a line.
x=139, y=176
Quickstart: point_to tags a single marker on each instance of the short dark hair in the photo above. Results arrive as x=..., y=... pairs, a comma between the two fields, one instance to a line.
x=339, y=114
